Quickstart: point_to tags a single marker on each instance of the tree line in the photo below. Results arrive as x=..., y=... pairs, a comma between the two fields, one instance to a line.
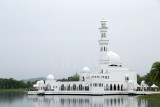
x=75, y=77
x=14, y=84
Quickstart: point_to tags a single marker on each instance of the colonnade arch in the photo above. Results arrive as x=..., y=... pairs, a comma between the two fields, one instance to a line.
x=113, y=87
x=86, y=87
x=74, y=87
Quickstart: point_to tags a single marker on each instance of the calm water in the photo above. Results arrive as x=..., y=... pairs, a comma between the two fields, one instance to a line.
x=21, y=99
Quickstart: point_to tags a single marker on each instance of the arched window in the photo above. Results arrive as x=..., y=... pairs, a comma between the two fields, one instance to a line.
x=101, y=48
x=127, y=78
x=101, y=70
x=105, y=77
x=95, y=84
x=83, y=78
x=102, y=35
x=103, y=25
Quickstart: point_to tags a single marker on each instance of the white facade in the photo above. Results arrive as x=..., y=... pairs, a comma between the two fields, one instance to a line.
x=111, y=76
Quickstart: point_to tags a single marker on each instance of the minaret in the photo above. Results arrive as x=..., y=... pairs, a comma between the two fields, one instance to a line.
x=103, y=61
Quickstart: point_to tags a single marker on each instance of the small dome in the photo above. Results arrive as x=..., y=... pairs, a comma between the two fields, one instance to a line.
x=37, y=82
x=40, y=82
x=85, y=69
x=113, y=58
x=50, y=77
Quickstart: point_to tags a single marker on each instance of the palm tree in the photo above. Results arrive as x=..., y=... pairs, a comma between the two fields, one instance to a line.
x=155, y=72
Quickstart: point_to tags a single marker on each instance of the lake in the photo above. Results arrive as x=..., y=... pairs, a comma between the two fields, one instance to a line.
x=21, y=99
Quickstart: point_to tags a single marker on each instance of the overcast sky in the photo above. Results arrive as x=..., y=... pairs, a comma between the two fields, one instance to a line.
x=39, y=37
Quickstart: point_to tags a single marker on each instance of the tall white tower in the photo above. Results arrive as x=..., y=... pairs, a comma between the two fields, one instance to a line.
x=103, y=42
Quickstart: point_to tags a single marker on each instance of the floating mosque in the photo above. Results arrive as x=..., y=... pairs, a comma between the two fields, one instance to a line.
x=110, y=78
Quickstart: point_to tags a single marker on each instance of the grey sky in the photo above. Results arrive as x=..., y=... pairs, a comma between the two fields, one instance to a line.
x=39, y=37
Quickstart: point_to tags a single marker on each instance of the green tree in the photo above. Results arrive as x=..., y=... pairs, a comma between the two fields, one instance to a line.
x=147, y=79
x=139, y=79
x=155, y=72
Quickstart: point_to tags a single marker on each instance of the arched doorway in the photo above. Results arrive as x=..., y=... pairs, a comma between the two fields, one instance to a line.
x=48, y=87
x=62, y=87
x=80, y=86
x=118, y=87
x=68, y=87
x=87, y=87
x=107, y=87
x=121, y=87
x=114, y=87
x=74, y=87
x=110, y=86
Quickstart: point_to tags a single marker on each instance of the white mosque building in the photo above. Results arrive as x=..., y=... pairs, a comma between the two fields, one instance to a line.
x=111, y=77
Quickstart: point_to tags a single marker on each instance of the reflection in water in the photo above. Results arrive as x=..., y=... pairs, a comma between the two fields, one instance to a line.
x=87, y=101
x=10, y=96
x=12, y=99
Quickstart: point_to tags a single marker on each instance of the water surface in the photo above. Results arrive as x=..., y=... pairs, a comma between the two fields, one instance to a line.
x=21, y=99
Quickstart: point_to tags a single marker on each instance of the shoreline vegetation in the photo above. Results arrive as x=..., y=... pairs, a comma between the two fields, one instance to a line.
x=15, y=85
x=150, y=96
x=20, y=89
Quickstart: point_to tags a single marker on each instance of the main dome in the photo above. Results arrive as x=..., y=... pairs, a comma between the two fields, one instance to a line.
x=113, y=58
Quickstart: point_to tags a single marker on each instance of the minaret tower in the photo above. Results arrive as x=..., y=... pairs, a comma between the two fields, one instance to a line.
x=103, y=42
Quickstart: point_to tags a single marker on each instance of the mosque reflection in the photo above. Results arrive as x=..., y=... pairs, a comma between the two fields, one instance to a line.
x=87, y=101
